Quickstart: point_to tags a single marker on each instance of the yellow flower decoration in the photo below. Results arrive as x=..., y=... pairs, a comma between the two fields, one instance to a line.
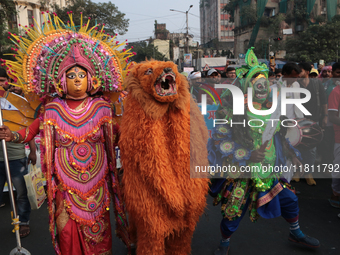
x=95, y=82
x=58, y=87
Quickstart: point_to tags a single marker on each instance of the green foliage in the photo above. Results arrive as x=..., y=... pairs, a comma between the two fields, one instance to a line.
x=248, y=15
x=262, y=47
x=102, y=13
x=7, y=11
x=275, y=24
x=300, y=11
x=320, y=19
x=316, y=42
x=145, y=51
x=265, y=21
x=289, y=18
x=272, y=27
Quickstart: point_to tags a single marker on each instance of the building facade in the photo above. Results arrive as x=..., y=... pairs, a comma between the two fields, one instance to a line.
x=27, y=11
x=175, y=43
x=216, y=28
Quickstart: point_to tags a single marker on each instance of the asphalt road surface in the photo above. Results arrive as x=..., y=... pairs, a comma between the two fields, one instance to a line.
x=266, y=237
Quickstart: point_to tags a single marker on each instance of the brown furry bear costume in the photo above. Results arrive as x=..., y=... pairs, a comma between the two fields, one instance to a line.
x=163, y=136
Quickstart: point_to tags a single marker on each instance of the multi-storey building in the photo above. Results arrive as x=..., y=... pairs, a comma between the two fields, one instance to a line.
x=178, y=45
x=216, y=29
x=27, y=11
x=248, y=32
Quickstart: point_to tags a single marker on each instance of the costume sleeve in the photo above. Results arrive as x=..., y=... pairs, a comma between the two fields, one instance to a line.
x=30, y=132
x=334, y=100
x=47, y=149
x=110, y=134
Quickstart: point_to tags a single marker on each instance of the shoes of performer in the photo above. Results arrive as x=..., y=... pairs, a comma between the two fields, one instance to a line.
x=334, y=201
x=306, y=241
x=2, y=205
x=222, y=250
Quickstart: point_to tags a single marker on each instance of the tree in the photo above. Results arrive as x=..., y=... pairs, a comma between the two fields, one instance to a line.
x=300, y=11
x=7, y=12
x=248, y=15
x=100, y=13
x=145, y=51
x=316, y=42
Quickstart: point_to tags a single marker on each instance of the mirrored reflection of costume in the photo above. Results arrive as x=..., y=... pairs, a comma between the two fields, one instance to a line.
x=264, y=193
x=78, y=133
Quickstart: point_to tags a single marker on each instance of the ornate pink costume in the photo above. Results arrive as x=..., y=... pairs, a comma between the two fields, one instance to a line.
x=78, y=132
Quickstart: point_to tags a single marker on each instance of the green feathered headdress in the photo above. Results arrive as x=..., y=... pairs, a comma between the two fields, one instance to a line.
x=248, y=71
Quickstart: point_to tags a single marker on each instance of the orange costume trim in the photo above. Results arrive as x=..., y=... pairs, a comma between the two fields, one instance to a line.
x=270, y=195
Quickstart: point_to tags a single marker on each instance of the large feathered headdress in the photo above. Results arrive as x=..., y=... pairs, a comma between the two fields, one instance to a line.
x=251, y=68
x=47, y=52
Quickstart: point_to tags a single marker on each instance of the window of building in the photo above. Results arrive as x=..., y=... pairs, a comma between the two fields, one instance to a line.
x=12, y=23
x=323, y=7
x=269, y=12
x=30, y=17
x=224, y=22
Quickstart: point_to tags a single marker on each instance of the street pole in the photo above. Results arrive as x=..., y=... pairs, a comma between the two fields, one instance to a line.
x=187, y=33
x=187, y=37
x=19, y=250
x=269, y=47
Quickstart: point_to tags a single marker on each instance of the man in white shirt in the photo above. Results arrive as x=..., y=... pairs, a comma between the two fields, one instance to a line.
x=291, y=72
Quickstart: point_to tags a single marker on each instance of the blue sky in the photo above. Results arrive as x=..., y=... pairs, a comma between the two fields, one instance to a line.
x=143, y=13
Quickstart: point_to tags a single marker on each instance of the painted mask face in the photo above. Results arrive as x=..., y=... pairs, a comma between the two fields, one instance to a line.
x=76, y=81
x=260, y=89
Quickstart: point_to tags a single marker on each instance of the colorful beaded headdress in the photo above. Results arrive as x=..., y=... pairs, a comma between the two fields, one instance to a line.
x=47, y=52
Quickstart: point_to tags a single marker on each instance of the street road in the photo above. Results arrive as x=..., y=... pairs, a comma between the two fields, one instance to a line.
x=266, y=237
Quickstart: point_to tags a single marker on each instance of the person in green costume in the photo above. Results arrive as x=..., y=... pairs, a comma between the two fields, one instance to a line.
x=255, y=162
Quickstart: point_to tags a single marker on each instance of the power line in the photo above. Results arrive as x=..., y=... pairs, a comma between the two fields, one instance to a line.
x=194, y=15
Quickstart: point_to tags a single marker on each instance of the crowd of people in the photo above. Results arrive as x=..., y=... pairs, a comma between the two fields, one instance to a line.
x=324, y=105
